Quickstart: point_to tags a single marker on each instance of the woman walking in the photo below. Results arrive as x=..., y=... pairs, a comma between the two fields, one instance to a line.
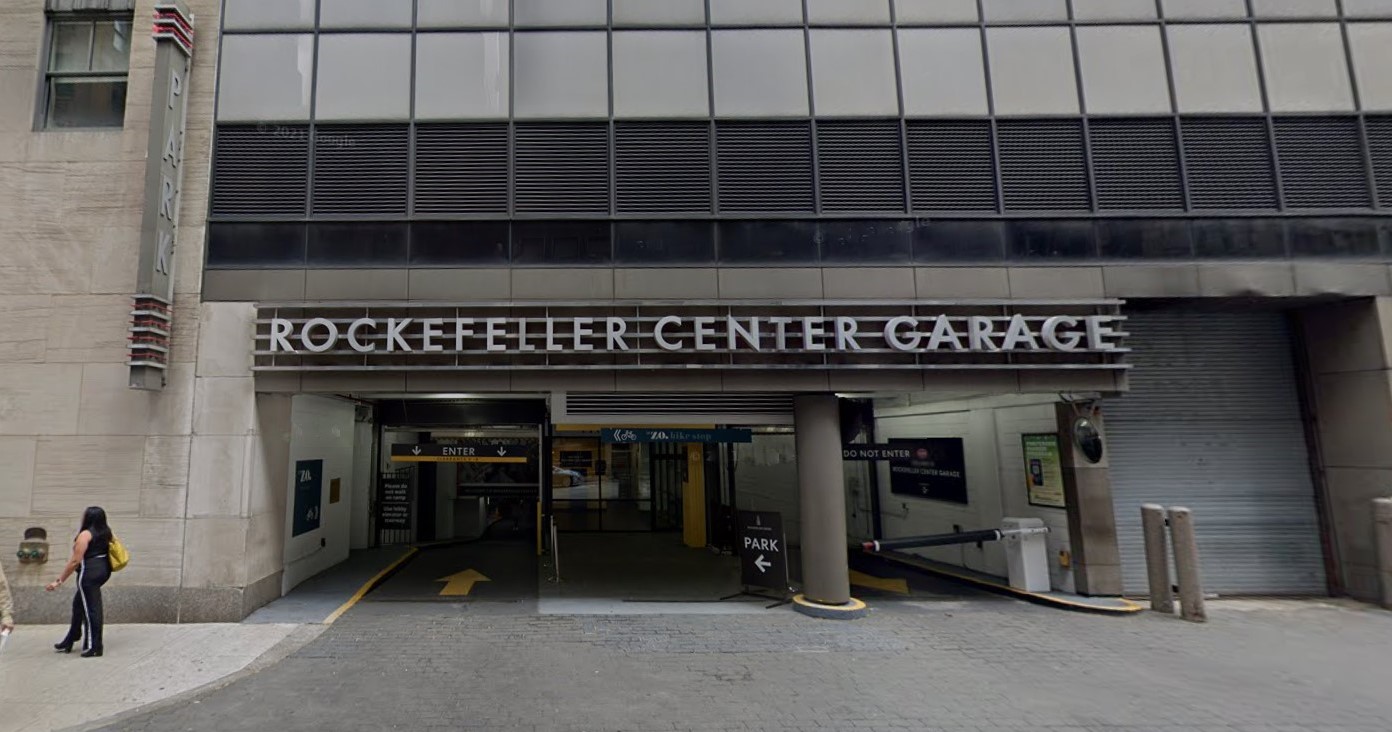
x=93, y=567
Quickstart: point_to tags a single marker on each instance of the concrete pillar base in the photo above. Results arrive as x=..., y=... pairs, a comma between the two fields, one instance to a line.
x=849, y=611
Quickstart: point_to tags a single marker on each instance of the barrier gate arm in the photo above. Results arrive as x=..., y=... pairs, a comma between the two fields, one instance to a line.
x=961, y=537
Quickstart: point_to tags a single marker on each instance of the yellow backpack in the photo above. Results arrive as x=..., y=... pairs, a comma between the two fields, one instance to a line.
x=118, y=556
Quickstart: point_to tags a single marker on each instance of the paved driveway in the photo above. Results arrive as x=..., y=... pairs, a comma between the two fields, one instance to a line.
x=948, y=665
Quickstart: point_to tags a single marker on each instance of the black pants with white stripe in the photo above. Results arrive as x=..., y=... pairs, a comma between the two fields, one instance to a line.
x=87, y=603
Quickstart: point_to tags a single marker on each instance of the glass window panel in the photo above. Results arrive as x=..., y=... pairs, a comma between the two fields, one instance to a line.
x=660, y=74
x=1370, y=44
x=664, y=242
x=561, y=75
x=659, y=12
x=462, y=13
x=1014, y=10
x=1113, y=9
x=111, y=49
x=867, y=242
x=1032, y=71
x=1145, y=239
x=853, y=73
x=442, y=92
x=1368, y=8
x=561, y=242
x=1333, y=238
x=1306, y=70
x=560, y=12
x=768, y=241
x=86, y=102
x=944, y=72
x=265, y=77
x=848, y=12
x=72, y=46
x=1294, y=8
x=1239, y=239
x=759, y=73
x=365, y=13
x=364, y=76
x=269, y=15
x=958, y=241
x=357, y=244
x=255, y=245
x=935, y=11
x=1123, y=70
x=1215, y=68
x=756, y=12
x=459, y=242
x=1056, y=240
x=1205, y=8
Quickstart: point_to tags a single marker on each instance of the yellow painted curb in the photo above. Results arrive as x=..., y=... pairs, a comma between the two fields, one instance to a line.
x=1124, y=606
x=369, y=585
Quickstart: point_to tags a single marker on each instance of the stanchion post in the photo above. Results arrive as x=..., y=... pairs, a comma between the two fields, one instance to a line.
x=1157, y=558
x=1382, y=529
x=1186, y=555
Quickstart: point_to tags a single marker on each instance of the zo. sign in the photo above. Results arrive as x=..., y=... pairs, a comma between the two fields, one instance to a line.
x=1016, y=333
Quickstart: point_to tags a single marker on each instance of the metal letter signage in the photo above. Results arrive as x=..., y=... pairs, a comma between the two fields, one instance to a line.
x=875, y=452
x=152, y=314
x=670, y=335
x=631, y=435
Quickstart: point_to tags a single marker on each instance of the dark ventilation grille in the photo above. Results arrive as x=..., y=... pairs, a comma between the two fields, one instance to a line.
x=764, y=166
x=677, y=403
x=261, y=171
x=1322, y=162
x=1380, y=144
x=951, y=166
x=1228, y=160
x=562, y=168
x=461, y=169
x=1136, y=164
x=1043, y=167
x=662, y=167
x=861, y=165
x=361, y=169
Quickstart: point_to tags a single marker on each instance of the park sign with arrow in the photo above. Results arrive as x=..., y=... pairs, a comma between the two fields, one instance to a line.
x=763, y=550
x=461, y=452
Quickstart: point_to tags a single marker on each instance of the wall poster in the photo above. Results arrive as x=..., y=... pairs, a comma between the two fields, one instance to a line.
x=1043, y=470
x=936, y=468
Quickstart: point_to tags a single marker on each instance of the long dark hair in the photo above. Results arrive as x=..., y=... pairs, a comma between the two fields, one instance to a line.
x=94, y=520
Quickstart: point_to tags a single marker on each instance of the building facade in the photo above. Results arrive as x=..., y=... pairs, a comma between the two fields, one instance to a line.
x=779, y=225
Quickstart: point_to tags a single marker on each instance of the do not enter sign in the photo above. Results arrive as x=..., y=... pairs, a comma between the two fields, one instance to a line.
x=763, y=550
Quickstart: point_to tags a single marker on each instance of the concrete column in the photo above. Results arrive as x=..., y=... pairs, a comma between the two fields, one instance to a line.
x=825, y=569
x=1348, y=351
x=1087, y=489
x=1382, y=521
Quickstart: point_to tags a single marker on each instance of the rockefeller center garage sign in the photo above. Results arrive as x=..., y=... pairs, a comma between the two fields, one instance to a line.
x=724, y=335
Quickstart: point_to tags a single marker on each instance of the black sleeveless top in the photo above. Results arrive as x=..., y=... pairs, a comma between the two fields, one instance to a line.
x=98, y=546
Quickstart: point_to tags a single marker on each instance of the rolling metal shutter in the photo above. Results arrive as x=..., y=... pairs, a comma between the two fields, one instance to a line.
x=1212, y=422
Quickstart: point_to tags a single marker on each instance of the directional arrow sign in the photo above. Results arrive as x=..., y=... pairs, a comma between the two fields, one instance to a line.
x=461, y=583
x=762, y=564
x=475, y=451
x=763, y=550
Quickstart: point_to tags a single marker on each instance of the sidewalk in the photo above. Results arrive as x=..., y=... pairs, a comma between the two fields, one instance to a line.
x=143, y=664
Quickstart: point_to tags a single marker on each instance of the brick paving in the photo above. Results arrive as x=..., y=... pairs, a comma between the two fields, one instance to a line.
x=962, y=666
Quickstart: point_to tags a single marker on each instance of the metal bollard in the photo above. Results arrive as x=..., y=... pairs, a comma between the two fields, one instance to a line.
x=1157, y=558
x=1186, y=555
x=1382, y=528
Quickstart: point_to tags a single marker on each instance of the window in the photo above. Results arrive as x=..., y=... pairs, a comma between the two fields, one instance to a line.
x=88, y=65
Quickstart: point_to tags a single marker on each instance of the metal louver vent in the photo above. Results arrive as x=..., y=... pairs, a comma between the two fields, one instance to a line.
x=1228, y=160
x=951, y=166
x=562, y=168
x=730, y=406
x=461, y=169
x=1322, y=163
x=861, y=165
x=361, y=169
x=764, y=166
x=1380, y=145
x=662, y=167
x=261, y=172
x=1136, y=164
x=1043, y=167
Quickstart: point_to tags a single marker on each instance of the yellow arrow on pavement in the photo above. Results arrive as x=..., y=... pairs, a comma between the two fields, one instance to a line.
x=887, y=584
x=461, y=583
